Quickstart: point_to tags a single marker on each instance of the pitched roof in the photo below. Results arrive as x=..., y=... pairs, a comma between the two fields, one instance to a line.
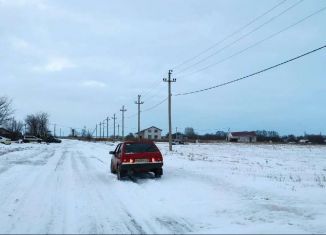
x=150, y=128
x=243, y=134
x=4, y=131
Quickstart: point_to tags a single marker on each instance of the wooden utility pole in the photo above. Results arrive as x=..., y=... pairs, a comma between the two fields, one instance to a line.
x=103, y=129
x=100, y=130
x=123, y=110
x=107, y=127
x=139, y=103
x=169, y=81
x=114, y=126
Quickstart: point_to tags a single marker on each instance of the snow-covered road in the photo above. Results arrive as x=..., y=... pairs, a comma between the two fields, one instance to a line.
x=206, y=188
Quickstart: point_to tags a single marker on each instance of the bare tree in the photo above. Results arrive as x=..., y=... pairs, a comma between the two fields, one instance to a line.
x=38, y=124
x=32, y=124
x=43, y=119
x=190, y=132
x=5, y=110
x=15, y=127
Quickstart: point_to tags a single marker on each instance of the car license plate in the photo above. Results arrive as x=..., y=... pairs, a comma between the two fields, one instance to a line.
x=142, y=160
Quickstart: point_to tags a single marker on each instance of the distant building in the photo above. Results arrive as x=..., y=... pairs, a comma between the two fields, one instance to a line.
x=151, y=133
x=243, y=136
x=5, y=133
x=179, y=137
x=304, y=141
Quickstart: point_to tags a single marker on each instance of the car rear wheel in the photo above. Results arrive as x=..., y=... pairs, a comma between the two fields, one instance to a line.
x=158, y=173
x=120, y=173
x=113, y=171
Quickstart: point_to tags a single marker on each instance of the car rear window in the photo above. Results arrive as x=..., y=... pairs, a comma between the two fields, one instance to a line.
x=140, y=148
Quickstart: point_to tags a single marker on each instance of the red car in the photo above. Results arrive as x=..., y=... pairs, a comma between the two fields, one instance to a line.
x=136, y=156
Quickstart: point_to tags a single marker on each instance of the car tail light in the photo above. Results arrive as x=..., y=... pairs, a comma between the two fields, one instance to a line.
x=157, y=159
x=126, y=160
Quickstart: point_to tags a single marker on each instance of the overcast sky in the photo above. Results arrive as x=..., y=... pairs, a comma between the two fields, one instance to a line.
x=80, y=61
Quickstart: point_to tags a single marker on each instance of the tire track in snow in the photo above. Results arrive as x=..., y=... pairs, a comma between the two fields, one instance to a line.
x=82, y=177
x=13, y=150
x=113, y=224
x=120, y=210
x=175, y=226
x=26, y=196
x=12, y=183
x=61, y=160
x=13, y=161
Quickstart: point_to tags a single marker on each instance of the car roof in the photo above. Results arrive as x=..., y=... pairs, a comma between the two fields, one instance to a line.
x=138, y=142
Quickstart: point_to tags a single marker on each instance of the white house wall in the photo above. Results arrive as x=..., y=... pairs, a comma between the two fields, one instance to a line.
x=151, y=134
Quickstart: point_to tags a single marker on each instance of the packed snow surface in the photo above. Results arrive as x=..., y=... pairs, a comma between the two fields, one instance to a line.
x=206, y=188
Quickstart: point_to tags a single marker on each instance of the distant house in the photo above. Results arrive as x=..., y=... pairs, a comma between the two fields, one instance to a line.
x=5, y=133
x=179, y=137
x=304, y=141
x=151, y=133
x=243, y=136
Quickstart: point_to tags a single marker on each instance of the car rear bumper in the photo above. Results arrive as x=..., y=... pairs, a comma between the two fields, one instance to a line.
x=150, y=166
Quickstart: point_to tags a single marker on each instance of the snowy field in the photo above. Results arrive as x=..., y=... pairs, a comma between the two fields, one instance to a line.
x=206, y=188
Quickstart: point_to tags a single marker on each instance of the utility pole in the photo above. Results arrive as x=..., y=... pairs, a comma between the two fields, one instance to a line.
x=103, y=128
x=169, y=81
x=123, y=110
x=96, y=132
x=176, y=133
x=114, y=118
x=100, y=130
x=107, y=127
x=139, y=103
x=54, y=130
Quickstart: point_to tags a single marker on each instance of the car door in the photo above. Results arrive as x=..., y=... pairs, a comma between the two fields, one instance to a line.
x=117, y=156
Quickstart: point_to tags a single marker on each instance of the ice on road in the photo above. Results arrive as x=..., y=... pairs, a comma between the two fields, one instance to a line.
x=206, y=188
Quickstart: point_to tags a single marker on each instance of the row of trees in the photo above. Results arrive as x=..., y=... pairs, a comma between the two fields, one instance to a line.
x=34, y=124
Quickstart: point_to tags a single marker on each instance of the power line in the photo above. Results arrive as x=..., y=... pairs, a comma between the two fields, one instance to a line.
x=131, y=116
x=253, y=74
x=150, y=90
x=255, y=44
x=155, y=106
x=230, y=35
x=242, y=37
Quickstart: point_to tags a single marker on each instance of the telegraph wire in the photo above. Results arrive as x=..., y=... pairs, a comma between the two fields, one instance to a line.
x=230, y=35
x=131, y=116
x=255, y=44
x=150, y=90
x=242, y=37
x=155, y=106
x=253, y=74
